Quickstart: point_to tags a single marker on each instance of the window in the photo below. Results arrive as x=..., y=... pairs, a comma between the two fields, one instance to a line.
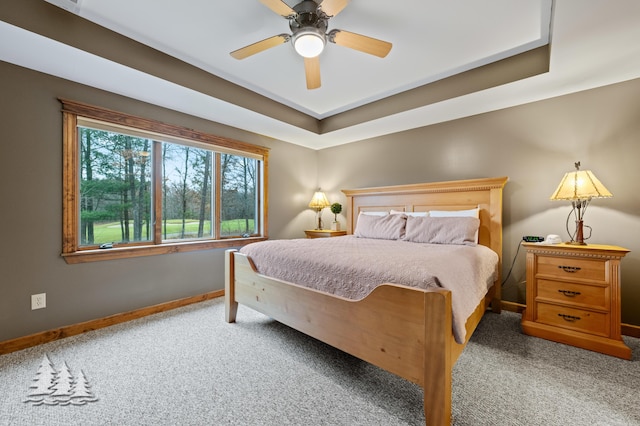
x=137, y=187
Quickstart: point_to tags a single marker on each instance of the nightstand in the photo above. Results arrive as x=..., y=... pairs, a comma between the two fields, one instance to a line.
x=573, y=296
x=323, y=233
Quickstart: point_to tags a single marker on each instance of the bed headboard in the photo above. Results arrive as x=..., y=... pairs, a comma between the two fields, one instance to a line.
x=452, y=195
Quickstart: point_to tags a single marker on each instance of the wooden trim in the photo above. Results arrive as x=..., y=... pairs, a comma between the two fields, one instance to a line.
x=70, y=183
x=86, y=256
x=630, y=330
x=157, y=189
x=128, y=120
x=513, y=306
x=73, y=253
x=482, y=184
x=25, y=342
x=263, y=178
x=217, y=193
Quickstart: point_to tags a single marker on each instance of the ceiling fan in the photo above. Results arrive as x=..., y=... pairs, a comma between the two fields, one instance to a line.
x=308, y=23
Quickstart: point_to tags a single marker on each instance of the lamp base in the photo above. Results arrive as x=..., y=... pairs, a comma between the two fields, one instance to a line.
x=576, y=243
x=579, y=233
x=319, y=217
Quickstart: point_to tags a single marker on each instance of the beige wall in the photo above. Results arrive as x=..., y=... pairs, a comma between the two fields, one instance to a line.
x=31, y=213
x=534, y=145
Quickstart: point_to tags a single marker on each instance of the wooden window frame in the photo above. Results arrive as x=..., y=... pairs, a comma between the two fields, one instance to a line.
x=73, y=253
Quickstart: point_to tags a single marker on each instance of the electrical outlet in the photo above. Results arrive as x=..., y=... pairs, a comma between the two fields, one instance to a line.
x=38, y=301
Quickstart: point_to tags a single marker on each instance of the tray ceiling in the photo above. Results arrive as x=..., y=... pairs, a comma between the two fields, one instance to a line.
x=361, y=96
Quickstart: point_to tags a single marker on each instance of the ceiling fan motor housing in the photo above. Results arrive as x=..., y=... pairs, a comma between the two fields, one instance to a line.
x=308, y=15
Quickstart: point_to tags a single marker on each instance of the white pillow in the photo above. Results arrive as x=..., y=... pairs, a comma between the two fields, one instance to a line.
x=414, y=214
x=456, y=213
x=374, y=213
x=387, y=227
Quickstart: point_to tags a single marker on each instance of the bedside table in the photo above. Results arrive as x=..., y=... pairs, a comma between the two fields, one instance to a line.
x=323, y=233
x=573, y=296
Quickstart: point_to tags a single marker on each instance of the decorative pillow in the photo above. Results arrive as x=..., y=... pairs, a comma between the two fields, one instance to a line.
x=414, y=214
x=388, y=227
x=442, y=230
x=457, y=213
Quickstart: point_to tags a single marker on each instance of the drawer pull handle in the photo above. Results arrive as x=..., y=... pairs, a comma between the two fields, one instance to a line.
x=570, y=269
x=569, y=318
x=569, y=293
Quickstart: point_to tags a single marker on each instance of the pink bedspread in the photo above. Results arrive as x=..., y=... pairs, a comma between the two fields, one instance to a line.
x=351, y=267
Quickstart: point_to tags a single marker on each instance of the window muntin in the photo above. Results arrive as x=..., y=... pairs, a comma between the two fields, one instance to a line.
x=147, y=187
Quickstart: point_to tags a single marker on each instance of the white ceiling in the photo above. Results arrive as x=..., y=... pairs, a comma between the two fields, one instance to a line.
x=593, y=43
x=431, y=41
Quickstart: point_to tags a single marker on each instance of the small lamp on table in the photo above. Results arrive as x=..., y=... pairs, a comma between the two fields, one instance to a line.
x=579, y=187
x=319, y=202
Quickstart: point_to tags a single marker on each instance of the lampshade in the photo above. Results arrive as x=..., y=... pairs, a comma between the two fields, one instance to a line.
x=580, y=185
x=319, y=201
x=309, y=43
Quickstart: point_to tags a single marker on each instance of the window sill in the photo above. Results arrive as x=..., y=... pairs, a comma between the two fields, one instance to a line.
x=86, y=256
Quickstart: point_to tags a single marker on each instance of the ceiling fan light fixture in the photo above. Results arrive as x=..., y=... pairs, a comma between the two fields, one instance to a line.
x=309, y=43
x=308, y=22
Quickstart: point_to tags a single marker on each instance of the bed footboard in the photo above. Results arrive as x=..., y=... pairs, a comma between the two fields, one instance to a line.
x=403, y=330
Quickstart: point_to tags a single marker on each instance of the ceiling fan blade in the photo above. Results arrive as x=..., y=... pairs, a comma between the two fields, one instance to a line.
x=260, y=46
x=333, y=7
x=359, y=42
x=312, y=72
x=279, y=7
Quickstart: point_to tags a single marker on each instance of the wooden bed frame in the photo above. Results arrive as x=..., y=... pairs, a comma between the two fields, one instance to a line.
x=406, y=331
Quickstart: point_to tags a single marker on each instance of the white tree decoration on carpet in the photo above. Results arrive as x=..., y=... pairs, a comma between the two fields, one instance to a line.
x=40, y=388
x=53, y=387
x=81, y=392
x=62, y=387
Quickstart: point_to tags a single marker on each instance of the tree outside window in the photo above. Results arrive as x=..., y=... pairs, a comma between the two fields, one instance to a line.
x=115, y=187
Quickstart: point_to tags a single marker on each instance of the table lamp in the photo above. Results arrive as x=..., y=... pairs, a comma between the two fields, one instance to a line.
x=319, y=202
x=579, y=187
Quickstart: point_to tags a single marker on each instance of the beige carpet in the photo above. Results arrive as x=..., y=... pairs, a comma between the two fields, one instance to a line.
x=188, y=367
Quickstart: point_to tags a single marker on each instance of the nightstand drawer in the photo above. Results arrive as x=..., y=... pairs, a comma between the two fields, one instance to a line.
x=574, y=319
x=566, y=268
x=573, y=294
